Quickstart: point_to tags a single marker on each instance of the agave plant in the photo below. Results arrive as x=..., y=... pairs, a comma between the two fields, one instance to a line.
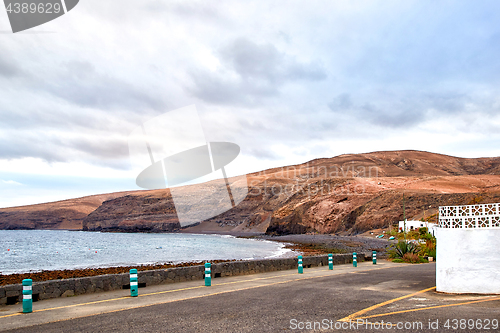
x=402, y=247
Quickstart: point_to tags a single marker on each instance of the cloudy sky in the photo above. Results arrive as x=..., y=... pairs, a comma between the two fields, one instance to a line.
x=288, y=81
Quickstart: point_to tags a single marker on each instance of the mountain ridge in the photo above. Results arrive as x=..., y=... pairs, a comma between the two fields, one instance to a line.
x=349, y=193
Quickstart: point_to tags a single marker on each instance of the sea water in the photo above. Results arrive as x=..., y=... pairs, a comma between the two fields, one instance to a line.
x=23, y=251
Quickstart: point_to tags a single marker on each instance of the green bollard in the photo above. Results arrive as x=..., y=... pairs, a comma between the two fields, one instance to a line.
x=374, y=257
x=134, y=283
x=27, y=296
x=330, y=261
x=208, y=274
x=301, y=268
x=355, y=259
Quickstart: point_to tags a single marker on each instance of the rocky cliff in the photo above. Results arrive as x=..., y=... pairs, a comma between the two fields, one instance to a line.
x=65, y=214
x=344, y=194
x=147, y=211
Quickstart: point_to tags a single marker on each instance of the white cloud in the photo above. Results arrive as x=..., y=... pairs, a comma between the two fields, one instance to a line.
x=11, y=182
x=287, y=81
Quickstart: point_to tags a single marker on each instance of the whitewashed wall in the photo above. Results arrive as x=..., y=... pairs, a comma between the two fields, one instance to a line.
x=468, y=260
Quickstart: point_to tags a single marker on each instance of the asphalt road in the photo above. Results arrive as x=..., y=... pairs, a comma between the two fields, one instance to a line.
x=337, y=301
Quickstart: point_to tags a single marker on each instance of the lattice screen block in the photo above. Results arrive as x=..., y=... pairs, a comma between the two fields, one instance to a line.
x=470, y=216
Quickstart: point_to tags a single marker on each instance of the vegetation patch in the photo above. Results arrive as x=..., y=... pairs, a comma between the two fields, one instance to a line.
x=414, y=247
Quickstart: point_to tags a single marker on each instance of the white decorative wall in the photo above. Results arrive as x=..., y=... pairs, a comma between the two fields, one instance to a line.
x=468, y=249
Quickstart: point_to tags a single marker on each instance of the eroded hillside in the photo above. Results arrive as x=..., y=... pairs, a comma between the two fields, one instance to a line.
x=344, y=194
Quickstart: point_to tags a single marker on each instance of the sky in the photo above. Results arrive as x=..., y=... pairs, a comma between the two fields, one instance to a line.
x=287, y=81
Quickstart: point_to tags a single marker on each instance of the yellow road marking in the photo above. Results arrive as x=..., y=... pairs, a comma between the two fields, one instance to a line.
x=181, y=289
x=141, y=295
x=185, y=299
x=215, y=285
x=12, y=315
x=358, y=314
x=430, y=307
x=376, y=306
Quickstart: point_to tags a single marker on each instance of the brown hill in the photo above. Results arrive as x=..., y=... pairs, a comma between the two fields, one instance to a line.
x=349, y=193
x=65, y=214
x=355, y=193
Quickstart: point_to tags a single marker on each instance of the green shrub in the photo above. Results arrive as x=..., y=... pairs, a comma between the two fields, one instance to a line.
x=392, y=232
x=428, y=237
x=413, y=234
x=429, y=248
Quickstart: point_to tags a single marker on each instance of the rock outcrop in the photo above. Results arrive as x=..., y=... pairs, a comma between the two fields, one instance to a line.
x=65, y=214
x=344, y=194
x=152, y=211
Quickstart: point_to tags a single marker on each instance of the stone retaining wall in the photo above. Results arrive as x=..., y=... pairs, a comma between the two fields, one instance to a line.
x=11, y=294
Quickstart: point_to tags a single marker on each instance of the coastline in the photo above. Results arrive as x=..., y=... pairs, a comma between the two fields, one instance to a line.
x=87, y=272
x=49, y=275
x=26, y=251
x=313, y=244
x=297, y=244
x=13, y=293
x=60, y=274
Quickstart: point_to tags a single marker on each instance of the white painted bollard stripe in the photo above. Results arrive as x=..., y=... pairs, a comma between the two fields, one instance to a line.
x=134, y=283
x=208, y=274
x=27, y=296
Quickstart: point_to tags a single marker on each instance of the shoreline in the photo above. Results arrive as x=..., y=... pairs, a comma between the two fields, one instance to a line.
x=49, y=275
x=312, y=244
x=42, y=290
x=298, y=244
x=60, y=274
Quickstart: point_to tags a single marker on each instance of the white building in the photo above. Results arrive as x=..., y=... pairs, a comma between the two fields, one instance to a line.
x=467, y=250
x=415, y=225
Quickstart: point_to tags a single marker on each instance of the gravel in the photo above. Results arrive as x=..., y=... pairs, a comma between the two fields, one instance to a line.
x=344, y=244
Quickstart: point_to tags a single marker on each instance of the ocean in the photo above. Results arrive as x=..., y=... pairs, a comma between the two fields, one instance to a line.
x=22, y=251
